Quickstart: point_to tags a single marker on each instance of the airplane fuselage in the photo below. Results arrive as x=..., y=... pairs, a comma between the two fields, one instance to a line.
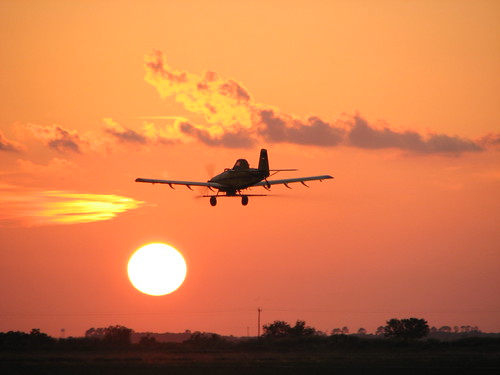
x=233, y=180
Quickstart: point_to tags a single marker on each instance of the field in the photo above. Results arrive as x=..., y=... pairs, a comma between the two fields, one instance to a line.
x=474, y=360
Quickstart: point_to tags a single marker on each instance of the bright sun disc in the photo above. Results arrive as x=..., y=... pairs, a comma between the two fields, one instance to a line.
x=156, y=269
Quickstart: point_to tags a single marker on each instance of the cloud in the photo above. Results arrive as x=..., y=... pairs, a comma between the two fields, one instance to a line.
x=123, y=134
x=490, y=141
x=148, y=135
x=225, y=104
x=363, y=135
x=56, y=137
x=231, y=118
x=233, y=140
x=22, y=207
x=111, y=137
x=437, y=143
x=280, y=128
x=234, y=119
x=8, y=145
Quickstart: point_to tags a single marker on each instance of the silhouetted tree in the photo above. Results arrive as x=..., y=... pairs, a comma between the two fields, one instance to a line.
x=207, y=341
x=282, y=329
x=204, y=337
x=21, y=340
x=118, y=335
x=300, y=329
x=278, y=328
x=37, y=332
x=445, y=329
x=411, y=328
x=465, y=329
x=345, y=330
x=148, y=341
x=362, y=331
x=37, y=337
x=336, y=331
x=380, y=331
x=95, y=333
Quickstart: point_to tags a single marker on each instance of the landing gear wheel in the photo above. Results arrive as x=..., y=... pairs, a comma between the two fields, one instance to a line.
x=244, y=200
x=213, y=201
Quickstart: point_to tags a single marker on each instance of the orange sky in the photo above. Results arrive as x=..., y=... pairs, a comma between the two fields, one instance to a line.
x=396, y=99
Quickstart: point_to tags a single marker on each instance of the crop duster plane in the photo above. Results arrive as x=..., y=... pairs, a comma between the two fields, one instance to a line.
x=232, y=181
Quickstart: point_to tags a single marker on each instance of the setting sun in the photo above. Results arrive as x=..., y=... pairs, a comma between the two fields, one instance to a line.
x=157, y=269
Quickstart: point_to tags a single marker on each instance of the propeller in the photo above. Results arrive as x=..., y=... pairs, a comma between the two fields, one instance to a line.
x=210, y=170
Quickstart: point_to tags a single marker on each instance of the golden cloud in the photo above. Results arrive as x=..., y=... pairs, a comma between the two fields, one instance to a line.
x=28, y=208
x=225, y=104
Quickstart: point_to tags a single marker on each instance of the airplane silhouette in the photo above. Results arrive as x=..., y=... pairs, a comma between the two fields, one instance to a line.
x=240, y=177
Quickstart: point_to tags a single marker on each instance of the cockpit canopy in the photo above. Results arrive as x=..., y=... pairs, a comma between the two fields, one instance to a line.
x=241, y=164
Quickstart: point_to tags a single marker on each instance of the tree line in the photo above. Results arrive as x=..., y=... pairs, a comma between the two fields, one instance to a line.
x=411, y=328
x=275, y=334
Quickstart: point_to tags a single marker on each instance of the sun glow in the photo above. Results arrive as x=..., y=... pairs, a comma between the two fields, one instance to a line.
x=157, y=269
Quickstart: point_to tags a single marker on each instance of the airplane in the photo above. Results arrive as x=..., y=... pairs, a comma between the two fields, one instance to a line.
x=232, y=181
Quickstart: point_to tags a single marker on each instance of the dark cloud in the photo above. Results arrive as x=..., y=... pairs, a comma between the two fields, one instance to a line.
x=56, y=137
x=358, y=133
x=63, y=141
x=126, y=135
x=156, y=64
x=315, y=132
x=490, y=141
x=365, y=136
x=234, y=140
x=442, y=143
x=7, y=145
x=275, y=129
x=64, y=144
x=234, y=90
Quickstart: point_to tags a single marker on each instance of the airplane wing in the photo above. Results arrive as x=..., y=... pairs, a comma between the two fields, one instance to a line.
x=286, y=181
x=175, y=182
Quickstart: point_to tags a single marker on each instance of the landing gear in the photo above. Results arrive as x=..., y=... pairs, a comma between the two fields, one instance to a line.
x=213, y=201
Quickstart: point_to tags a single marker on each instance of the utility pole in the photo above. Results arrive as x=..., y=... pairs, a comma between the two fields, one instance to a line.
x=258, y=321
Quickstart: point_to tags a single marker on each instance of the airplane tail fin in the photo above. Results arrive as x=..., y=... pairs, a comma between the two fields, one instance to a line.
x=264, y=162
